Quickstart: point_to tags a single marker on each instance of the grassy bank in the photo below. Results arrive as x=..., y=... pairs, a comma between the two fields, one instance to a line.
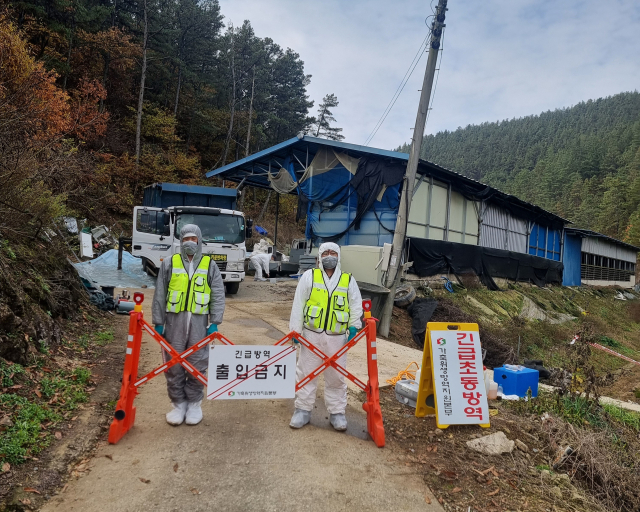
x=41, y=398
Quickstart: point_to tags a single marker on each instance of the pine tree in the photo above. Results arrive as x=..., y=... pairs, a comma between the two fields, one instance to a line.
x=322, y=124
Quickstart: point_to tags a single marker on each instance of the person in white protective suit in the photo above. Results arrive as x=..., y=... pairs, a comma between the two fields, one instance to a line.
x=261, y=262
x=327, y=308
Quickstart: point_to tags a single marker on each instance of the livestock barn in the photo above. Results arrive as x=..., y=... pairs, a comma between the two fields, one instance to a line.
x=350, y=194
x=599, y=260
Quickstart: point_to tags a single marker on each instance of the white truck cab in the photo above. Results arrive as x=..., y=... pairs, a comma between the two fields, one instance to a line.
x=156, y=236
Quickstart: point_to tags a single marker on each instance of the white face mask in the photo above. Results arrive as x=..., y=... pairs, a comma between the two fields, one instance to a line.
x=330, y=262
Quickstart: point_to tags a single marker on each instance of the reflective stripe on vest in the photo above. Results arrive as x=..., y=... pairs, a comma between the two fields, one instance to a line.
x=186, y=294
x=324, y=313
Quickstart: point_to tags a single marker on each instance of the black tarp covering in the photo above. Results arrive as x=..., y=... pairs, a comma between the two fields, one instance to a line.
x=431, y=257
x=420, y=311
x=371, y=175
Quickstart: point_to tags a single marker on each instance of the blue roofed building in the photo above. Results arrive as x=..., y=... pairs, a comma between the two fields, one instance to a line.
x=350, y=194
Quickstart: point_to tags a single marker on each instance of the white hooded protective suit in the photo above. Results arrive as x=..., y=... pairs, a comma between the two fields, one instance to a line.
x=261, y=262
x=335, y=387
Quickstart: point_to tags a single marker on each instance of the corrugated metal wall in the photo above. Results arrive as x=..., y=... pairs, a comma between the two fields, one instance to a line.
x=441, y=213
x=603, y=247
x=501, y=230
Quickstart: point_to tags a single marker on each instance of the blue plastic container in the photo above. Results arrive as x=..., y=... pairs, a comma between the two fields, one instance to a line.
x=517, y=382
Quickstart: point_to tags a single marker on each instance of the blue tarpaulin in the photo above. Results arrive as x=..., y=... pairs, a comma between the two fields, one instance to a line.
x=103, y=271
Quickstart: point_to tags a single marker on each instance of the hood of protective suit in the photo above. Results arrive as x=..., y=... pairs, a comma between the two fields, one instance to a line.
x=186, y=229
x=329, y=246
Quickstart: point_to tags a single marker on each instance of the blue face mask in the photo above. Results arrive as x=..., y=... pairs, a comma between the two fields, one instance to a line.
x=189, y=248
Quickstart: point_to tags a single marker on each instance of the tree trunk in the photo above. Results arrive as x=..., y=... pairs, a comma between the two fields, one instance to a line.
x=175, y=108
x=253, y=83
x=320, y=121
x=264, y=208
x=66, y=71
x=114, y=14
x=105, y=75
x=233, y=106
x=142, y=80
x=186, y=149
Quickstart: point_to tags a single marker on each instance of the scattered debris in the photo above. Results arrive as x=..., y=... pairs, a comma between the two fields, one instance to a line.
x=405, y=295
x=493, y=444
x=561, y=456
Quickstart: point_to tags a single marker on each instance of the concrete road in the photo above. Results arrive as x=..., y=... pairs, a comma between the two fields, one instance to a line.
x=244, y=456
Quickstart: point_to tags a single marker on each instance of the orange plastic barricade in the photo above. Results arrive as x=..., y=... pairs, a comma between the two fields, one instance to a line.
x=125, y=413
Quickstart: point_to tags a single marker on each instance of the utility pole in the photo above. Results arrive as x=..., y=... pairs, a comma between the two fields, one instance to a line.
x=393, y=274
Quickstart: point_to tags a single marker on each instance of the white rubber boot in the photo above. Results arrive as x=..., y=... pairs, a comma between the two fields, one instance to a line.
x=339, y=422
x=300, y=418
x=176, y=416
x=194, y=413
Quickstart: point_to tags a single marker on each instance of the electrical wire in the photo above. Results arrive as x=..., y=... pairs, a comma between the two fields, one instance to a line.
x=404, y=81
x=404, y=373
x=401, y=86
x=435, y=86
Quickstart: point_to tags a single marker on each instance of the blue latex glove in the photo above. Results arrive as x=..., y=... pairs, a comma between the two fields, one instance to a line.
x=159, y=329
x=212, y=328
x=352, y=332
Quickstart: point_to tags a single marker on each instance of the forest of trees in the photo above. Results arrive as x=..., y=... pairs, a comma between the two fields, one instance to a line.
x=99, y=98
x=582, y=163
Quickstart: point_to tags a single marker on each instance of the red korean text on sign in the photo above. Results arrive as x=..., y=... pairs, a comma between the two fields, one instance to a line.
x=467, y=365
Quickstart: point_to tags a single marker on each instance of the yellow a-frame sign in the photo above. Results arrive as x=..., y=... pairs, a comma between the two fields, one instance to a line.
x=451, y=378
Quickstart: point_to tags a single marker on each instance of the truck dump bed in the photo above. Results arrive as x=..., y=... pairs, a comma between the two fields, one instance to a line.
x=163, y=195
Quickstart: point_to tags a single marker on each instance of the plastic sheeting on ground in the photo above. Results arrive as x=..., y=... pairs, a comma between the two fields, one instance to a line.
x=420, y=311
x=103, y=271
x=432, y=257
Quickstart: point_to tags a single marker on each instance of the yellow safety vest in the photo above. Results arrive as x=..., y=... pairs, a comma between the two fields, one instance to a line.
x=328, y=313
x=186, y=294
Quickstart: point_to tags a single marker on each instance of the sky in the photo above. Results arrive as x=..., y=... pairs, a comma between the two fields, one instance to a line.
x=501, y=59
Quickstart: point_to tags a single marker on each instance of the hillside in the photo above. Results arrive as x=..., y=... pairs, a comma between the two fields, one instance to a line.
x=99, y=99
x=582, y=162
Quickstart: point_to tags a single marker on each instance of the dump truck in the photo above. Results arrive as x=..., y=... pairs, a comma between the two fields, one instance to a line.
x=168, y=206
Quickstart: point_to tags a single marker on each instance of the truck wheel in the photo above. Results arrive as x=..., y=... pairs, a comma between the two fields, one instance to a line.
x=232, y=288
